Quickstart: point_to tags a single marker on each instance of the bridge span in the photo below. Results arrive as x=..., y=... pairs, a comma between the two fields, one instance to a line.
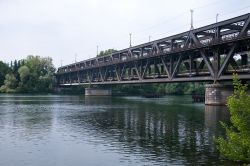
x=209, y=53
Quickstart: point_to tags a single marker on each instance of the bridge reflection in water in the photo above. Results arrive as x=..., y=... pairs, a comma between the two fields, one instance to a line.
x=108, y=131
x=172, y=133
x=214, y=114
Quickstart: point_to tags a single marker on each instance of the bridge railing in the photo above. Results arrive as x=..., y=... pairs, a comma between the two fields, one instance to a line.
x=202, y=41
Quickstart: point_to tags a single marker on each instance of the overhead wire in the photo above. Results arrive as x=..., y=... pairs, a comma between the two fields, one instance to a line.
x=178, y=27
x=162, y=23
x=202, y=20
x=169, y=20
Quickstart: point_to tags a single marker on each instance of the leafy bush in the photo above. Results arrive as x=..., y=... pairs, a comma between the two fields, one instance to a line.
x=10, y=83
x=236, y=145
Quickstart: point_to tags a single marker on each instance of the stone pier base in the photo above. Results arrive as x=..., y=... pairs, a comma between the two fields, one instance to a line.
x=97, y=92
x=217, y=94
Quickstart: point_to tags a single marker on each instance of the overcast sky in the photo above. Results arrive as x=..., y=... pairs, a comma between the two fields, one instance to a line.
x=65, y=29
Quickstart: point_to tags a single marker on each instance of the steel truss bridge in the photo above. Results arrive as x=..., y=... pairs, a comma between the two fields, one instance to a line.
x=209, y=53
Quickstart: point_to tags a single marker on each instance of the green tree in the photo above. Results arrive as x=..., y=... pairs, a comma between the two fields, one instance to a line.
x=10, y=84
x=4, y=69
x=174, y=88
x=194, y=88
x=24, y=73
x=106, y=52
x=24, y=84
x=33, y=74
x=41, y=76
x=15, y=67
x=236, y=145
x=45, y=83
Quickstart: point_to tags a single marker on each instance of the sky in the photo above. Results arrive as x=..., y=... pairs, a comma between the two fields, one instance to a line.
x=71, y=30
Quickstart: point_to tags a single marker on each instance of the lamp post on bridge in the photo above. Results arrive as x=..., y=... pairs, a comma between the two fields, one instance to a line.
x=75, y=57
x=130, y=45
x=97, y=50
x=192, y=26
x=217, y=15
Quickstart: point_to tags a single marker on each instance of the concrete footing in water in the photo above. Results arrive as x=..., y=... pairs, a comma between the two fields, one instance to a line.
x=97, y=92
x=217, y=94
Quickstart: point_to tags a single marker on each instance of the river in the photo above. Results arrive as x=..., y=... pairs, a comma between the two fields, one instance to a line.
x=38, y=130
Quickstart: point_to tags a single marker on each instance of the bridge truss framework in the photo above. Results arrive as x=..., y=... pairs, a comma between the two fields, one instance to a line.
x=210, y=53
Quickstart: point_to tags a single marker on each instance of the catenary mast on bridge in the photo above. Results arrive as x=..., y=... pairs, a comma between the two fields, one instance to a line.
x=202, y=54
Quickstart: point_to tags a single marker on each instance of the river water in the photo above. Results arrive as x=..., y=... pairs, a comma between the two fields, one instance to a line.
x=76, y=130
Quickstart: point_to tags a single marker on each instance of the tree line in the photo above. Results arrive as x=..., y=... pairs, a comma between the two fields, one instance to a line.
x=35, y=74
x=106, y=52
x=31, y=75
x=161, y=89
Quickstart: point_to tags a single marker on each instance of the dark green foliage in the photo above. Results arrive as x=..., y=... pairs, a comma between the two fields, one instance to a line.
x=175, y=88
x=236, y=145
x=185, y=88
x=128, y=89
x=72, y=90
x=10, y=84
x=15, y=67
x=4, y=69
x=161, y=89
x=34, y=74
x=107, y=52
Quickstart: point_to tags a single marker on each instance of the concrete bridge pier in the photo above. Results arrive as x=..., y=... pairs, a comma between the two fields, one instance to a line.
x=217, y=94
x=97, y=92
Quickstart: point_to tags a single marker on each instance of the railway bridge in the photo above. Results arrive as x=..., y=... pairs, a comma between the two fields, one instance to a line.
x=210, y=53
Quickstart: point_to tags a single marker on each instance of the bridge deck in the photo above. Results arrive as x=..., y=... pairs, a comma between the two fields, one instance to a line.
x=209, y=53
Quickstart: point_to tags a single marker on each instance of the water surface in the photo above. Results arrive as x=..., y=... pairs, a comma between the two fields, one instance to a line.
x=76, y=130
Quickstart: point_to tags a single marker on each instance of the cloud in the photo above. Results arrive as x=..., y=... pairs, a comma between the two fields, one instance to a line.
x=62, y=28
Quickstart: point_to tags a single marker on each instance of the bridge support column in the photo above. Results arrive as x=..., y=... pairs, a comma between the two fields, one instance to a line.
x=97, y=92
x=217, y=94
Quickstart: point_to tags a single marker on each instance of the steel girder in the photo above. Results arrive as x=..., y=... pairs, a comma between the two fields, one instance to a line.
x=210, y=53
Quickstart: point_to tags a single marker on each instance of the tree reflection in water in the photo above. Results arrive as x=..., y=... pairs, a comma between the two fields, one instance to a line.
x=165, y=131
x=173, y=132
